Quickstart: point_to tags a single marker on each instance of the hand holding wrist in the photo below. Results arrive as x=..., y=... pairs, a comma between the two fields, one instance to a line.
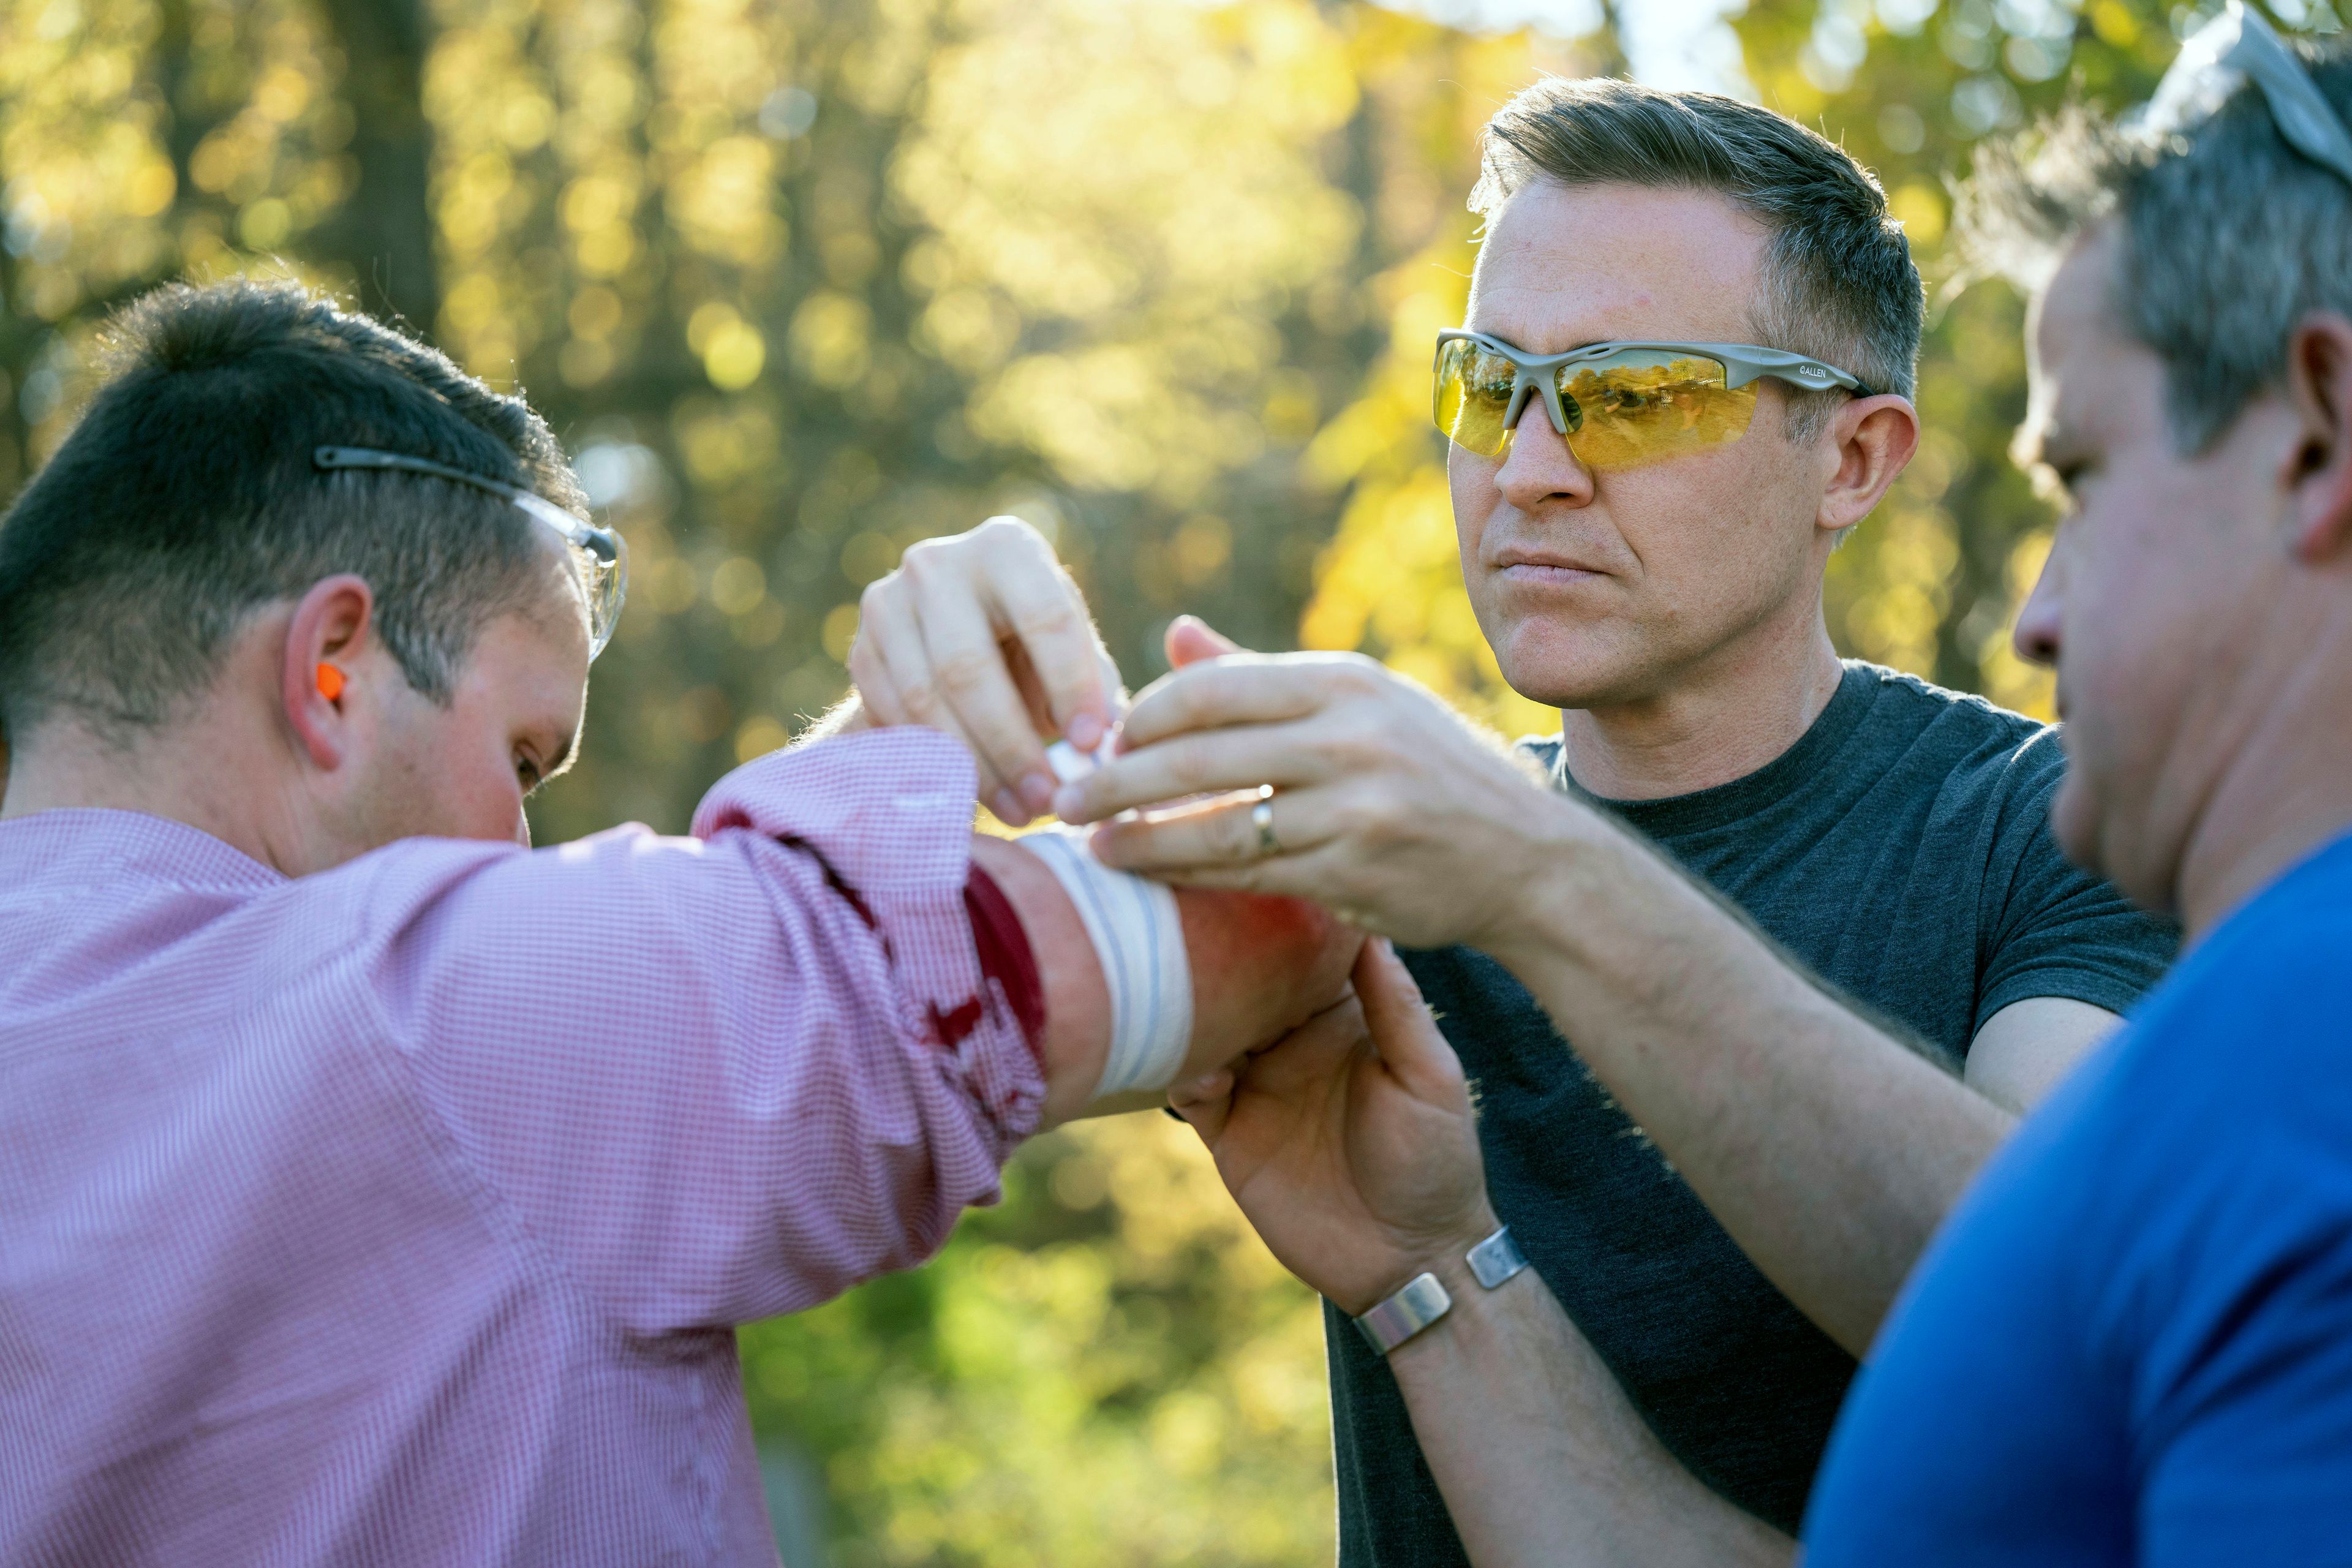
x=1351, y=1145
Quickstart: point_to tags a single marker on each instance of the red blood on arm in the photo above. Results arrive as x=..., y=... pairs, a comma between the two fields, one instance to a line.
x=1005, y=955
x=1261, y=966
x=1076, y=1036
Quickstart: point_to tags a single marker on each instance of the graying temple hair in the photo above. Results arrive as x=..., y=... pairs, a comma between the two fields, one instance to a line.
x=1839, y=283
x=2230, y=236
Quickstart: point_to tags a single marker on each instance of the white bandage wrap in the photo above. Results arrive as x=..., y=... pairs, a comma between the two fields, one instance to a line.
x=1071, y=765
x=1140, y=941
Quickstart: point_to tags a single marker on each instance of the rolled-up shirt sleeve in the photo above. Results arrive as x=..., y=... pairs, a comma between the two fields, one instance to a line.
x=726, y=1076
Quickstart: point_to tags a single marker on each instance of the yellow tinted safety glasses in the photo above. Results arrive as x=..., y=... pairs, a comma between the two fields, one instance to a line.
x=1617, y=404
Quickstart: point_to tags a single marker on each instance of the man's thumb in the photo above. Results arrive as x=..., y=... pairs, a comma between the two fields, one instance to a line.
x=1402, y=1028
x=1192, y=639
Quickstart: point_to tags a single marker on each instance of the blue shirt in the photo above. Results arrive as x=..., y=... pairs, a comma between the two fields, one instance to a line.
x=2132, y=1341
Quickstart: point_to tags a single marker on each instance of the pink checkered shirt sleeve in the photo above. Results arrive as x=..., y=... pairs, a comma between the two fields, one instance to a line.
x=727, y=1076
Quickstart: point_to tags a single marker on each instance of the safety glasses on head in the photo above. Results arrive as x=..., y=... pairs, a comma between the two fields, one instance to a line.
x=599, y=555
x=1617, y=404
x=2223, y=55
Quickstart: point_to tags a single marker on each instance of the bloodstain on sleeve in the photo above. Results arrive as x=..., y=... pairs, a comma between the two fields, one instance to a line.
x=1005, y=957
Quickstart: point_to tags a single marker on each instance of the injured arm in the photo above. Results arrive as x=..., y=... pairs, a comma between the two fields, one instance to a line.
x=1248, y=970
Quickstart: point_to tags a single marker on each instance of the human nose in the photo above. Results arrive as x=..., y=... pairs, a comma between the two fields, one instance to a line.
x=1540, y=466
x=2036, y=639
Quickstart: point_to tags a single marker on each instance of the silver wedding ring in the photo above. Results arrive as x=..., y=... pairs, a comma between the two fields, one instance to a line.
x=1262, y=818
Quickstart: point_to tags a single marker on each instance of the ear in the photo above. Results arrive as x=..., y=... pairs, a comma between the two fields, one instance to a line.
x=2318, y=474
x=1872, y=439
x=330, y=626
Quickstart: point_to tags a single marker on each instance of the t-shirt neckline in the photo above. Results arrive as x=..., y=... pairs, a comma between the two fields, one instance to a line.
x=1701, y=810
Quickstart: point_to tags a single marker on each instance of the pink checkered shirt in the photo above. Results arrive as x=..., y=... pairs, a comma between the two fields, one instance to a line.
x=403, y=1213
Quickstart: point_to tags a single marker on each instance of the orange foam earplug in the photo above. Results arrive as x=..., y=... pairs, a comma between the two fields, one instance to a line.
x=331, y=682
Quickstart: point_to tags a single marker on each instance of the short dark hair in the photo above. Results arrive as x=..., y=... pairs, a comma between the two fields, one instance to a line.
x=185, y=497
x=2230, y=235
x=1839, y=283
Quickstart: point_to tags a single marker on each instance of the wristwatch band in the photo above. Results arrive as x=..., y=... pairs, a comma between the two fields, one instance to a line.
x=1421, y=1303
x=1423, y=1300
x=1496, y=1259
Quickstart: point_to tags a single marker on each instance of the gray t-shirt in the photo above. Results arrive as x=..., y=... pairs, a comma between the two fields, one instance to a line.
x=1901, y=849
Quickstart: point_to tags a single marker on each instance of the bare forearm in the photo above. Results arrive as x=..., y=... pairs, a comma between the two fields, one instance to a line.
x=1540, y=1456
x=1259, y=967
x=1825, y=1147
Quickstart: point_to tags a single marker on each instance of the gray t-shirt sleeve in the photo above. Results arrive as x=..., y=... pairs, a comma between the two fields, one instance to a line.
x=2054, y=930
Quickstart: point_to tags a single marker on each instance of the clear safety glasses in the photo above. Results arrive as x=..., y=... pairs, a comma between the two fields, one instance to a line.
x=2221, y=57
x=599, y=555
x=1617, y=404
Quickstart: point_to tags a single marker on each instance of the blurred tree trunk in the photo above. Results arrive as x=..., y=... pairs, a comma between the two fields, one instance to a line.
x=188, y=120
x=384, y=231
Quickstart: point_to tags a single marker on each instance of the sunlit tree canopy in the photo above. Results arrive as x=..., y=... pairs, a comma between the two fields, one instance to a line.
x=802, y=281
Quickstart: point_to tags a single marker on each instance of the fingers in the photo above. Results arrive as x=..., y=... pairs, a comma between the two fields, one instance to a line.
x=1311, y=1056
x=1324, y=876
x=1216, y=833
x=1033, y=694
x=1235, y=689
x=1402, y=1029
x=979, y=635
x=1242, y=758
x=1042, y=610
x=1190, y=639
x=904, y=680
x=975, y=684
x=1206, y=1102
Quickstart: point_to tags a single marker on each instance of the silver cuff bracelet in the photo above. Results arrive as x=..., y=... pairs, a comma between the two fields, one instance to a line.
x=1421, y=1303
x=1423, y=1300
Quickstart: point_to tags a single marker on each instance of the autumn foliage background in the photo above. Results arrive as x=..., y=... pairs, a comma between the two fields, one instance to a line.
x=802, y=282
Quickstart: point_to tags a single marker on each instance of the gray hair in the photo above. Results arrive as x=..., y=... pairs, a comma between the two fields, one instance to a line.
x=1839, y=283
x=2230, y=235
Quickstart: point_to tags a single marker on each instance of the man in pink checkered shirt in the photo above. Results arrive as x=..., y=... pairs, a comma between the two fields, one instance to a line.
x=374, y=1188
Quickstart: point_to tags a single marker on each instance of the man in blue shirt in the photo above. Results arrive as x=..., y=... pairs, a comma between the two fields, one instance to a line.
x=2132, y=1341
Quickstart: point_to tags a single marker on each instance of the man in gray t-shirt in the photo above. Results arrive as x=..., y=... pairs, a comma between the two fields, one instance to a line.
x=1902, y=851
x=1686, y=371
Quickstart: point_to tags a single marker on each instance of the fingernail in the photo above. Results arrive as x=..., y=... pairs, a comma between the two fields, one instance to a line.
x=1037, y=791
x=1008, y=809
x=1068, y=802
x=1086, y=732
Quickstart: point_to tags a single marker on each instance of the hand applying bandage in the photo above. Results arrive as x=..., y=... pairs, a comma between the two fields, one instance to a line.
x=984, y=636
x=1137, y=929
